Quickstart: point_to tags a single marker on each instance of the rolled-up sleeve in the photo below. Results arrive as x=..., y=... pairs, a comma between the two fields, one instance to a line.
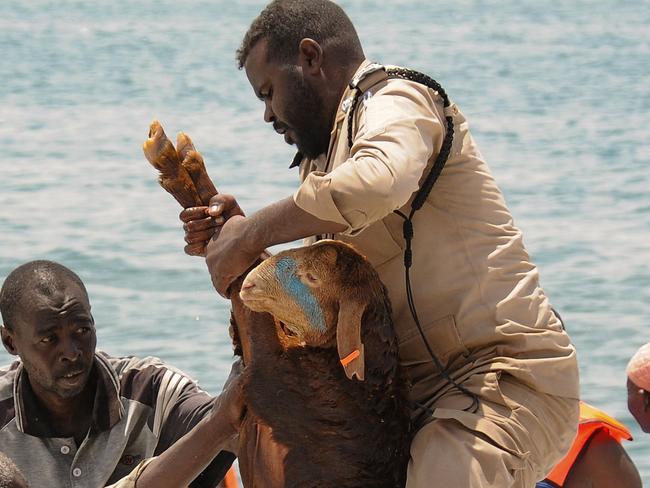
x=399, y=129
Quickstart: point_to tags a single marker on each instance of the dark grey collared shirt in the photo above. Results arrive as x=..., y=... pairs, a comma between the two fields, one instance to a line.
x=142, y=406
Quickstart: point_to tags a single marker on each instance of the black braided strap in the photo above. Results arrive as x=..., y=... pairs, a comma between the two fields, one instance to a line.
x=436, y=169
x=409, y=74
x=443, y=155
x=445, y=149
x=416, y=204
x=353, y=108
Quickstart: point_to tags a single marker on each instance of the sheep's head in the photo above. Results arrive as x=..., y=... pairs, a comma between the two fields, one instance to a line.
x=319, y=293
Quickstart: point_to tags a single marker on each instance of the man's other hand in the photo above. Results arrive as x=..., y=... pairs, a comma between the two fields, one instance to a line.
x=230, y=403
x=201, y=223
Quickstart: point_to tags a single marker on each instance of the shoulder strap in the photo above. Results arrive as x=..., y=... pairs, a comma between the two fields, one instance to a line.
x=375, y=73
x=370, y=76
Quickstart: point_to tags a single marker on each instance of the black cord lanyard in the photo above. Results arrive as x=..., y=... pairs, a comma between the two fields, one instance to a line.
x=416, y=204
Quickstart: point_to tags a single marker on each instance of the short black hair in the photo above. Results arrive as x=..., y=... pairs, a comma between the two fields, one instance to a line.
x=10, y=475
x=35, y=276
x=284, y=23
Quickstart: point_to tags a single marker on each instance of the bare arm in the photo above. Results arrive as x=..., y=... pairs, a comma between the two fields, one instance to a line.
x=284, y=221
x=237, y=245
x=185, y=459
x=604, y=464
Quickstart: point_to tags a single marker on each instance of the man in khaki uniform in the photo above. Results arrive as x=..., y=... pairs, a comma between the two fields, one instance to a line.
x=477, y=296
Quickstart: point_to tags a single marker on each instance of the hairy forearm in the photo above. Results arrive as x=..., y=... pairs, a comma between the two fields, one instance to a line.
x=283, y=222
x=242, y=240
x=185, y=459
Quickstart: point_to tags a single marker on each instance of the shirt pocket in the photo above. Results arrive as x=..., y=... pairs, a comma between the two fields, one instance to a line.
x=442, y=336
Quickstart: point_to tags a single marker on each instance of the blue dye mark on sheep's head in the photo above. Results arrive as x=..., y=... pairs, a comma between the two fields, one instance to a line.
x=285, y=271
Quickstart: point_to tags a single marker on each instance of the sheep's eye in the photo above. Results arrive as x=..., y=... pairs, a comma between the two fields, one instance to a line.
x=311, y=278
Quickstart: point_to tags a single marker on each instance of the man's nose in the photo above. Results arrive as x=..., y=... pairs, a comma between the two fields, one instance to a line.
x=70, y=350
x=269, y=116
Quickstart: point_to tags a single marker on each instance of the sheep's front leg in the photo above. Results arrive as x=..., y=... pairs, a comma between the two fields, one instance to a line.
x=272, y=389
x=261, y=457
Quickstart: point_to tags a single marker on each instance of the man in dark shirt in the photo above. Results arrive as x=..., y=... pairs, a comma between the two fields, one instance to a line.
x=72, y=416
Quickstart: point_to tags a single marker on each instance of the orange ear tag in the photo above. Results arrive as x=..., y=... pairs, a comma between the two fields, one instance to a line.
x=350, y=357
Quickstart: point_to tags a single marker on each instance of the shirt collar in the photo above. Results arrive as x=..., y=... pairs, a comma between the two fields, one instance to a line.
x=348, y=94
x=297, y=159
x=107, y=407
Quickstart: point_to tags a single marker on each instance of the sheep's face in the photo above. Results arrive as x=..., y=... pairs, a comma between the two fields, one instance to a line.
x=298, y=288
x=319, y=293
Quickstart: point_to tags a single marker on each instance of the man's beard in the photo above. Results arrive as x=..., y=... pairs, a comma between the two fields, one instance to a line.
x=308, y=118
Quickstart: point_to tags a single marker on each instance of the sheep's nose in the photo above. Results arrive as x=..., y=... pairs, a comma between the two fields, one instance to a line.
x=247, y=285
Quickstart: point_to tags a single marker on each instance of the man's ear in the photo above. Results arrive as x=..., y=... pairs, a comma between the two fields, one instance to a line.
x=310, y=56
x=8, y=340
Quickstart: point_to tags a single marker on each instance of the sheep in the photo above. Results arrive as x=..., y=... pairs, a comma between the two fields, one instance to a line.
x=182, y=173
x=323, y=385
x=324, y=391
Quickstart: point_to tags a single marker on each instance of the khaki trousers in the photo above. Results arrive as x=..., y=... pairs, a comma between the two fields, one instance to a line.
x=514, y=439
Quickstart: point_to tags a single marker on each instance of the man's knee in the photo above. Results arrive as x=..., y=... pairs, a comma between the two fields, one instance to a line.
x=444, y=453
x=515, y=439
x=550, y=425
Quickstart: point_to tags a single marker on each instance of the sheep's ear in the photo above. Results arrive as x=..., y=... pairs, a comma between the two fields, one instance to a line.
x=348, y=338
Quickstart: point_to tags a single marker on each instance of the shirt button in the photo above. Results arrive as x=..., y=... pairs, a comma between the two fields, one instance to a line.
x=76, y=472
x=65, y=449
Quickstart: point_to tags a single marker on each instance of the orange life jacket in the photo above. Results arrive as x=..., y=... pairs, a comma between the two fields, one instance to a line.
x=591, y=420
x=230, y=481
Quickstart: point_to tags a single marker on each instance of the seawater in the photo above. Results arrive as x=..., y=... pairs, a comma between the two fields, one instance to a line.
x=556, y=94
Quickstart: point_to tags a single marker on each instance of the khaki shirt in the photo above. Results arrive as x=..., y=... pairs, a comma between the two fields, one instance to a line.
x=476, y=290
